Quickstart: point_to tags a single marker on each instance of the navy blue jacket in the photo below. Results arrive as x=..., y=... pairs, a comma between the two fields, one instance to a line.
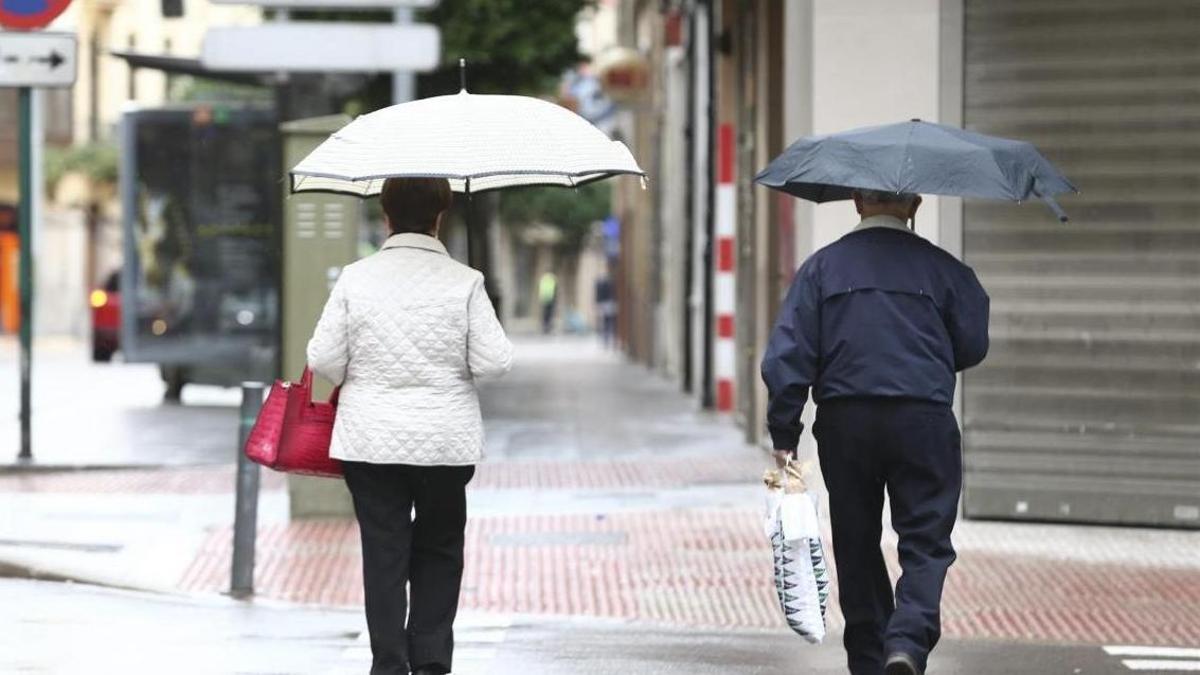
x=880, y=312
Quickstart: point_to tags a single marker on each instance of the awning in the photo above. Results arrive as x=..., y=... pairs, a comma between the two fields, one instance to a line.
x=183, y=66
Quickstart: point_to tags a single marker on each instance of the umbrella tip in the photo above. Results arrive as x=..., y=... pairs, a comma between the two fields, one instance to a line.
x=462, y=74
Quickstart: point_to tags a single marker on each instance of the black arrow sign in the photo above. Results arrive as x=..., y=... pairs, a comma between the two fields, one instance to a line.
x=55, y=59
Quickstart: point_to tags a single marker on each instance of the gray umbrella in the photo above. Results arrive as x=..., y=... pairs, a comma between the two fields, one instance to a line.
x=917, y=157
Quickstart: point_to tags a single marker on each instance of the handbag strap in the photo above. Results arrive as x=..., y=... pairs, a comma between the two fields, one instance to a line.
x=305, y=385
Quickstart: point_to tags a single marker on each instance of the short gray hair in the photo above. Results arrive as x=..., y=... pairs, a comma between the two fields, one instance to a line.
x=885, y=197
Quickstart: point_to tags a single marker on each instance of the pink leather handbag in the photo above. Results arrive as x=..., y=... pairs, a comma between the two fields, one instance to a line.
x=292, y=433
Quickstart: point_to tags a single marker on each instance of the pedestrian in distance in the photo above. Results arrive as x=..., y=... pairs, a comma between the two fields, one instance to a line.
x=877, y=325
x=406, y=333
x=606, y=311
x=548, y=295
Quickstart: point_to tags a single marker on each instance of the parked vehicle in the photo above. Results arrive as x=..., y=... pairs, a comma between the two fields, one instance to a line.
x=106, y=318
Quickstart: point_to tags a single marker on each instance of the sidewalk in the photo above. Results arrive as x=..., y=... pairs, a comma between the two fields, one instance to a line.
x=110, y=631
x=606, y=497
x=89, y=415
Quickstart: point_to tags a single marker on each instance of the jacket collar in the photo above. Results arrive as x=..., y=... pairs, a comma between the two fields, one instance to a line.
x=414, y=240
x=889, y=222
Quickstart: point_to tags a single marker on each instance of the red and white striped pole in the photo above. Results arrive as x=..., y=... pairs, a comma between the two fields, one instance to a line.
x=724, y=288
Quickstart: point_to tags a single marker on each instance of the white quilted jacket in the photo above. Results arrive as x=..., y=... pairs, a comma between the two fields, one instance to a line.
x=406, y=332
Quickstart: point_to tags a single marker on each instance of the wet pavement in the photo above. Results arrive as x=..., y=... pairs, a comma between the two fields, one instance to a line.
x=613, y=527
x=75, y=628
x=88, y=414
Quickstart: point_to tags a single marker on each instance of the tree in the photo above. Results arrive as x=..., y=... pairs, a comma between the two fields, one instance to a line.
x=511, y=46
x=572, y=211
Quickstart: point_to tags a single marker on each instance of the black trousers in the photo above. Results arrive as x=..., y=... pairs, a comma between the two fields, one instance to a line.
x=425, y=553
x=911, y=449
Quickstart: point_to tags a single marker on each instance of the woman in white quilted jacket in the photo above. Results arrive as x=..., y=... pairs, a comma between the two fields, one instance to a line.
x=406, y=333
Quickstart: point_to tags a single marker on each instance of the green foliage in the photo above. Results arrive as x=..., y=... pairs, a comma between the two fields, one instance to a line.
x=511, y=46
x=189, y=89
x=572, y=211
x=97, y=161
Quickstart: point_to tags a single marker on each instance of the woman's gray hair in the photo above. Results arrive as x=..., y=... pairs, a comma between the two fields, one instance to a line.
x=885, y=197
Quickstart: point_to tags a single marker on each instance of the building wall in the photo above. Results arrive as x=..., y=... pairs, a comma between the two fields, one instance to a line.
x=672, y=177
x=105, y=82
x=781, y=70
x=873, y=62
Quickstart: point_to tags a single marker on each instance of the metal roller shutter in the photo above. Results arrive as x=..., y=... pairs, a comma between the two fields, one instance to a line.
x=1088, y=407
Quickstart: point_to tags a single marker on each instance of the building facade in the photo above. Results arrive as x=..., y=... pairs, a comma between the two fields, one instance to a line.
x=1087, y=407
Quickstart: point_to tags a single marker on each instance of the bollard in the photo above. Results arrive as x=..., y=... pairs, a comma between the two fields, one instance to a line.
x=245, y=521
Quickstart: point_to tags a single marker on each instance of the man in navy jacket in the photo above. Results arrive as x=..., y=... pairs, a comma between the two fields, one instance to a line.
x=877, y=324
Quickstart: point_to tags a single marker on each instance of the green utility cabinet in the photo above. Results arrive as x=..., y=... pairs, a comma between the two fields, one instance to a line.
x=321, y=234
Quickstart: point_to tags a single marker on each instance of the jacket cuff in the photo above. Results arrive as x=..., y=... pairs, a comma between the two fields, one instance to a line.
x=785, y=438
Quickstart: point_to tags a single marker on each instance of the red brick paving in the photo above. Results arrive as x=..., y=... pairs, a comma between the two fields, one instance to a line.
x=615, y=474
x=183, y=481
x=511, y=475
x=711, y=568
x=706, y=568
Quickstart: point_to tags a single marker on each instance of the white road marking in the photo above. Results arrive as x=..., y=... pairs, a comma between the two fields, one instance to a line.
x=1161, y=665
x=1153, y=652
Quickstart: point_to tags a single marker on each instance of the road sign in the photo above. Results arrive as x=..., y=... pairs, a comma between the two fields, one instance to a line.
x=334, y=4
x=30, y=14
x=37, y=59
x=343, y=47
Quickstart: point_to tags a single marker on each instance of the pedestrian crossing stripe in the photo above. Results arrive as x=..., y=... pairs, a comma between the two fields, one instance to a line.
x=1157, y=659
x=1162, y=665
x=1155, y=652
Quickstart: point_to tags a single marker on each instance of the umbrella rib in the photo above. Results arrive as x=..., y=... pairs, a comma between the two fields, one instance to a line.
x=904, y=161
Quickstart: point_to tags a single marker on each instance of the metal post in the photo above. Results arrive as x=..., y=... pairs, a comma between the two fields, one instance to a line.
x=25, y=232
x=404, y=83
x=245, y=522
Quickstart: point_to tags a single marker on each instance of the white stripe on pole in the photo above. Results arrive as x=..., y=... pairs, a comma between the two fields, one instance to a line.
x=725, y=357
x=724, y=298
x=726, y=210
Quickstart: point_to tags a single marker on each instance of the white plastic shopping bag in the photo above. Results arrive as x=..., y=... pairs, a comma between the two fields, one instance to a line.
x=801, y=577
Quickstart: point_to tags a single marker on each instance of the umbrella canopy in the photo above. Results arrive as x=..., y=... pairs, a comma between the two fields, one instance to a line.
x=478, y=142
x=916, y=157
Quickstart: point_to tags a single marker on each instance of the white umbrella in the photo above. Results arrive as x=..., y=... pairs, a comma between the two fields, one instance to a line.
x=478, y=142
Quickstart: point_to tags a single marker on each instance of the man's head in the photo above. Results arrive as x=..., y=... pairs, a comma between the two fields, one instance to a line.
x=415, y=204
x=902, y=205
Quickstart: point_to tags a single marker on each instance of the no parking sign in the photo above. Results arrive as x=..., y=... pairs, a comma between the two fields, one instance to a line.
x=30, y=14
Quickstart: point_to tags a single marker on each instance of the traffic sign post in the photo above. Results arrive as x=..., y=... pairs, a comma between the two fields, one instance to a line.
x=28, y=60
x=30, y=14
x=25, y=235
x=345, y=47
x=37, y=59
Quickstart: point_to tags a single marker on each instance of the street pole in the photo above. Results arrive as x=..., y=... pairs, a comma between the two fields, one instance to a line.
x=404, y=83
x=25, y=233
x=245, y=520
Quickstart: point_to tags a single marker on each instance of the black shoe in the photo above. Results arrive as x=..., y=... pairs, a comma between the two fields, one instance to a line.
x=429, y=670
x=900, y=663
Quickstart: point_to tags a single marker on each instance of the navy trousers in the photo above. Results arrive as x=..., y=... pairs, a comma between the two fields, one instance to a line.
x=912, y=450
x=410, y=627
